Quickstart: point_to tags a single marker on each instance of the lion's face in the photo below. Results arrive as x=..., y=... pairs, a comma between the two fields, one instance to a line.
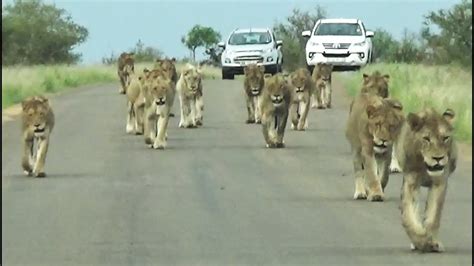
x=376, y=84
x=299, y=79
x=192, y=78
x=167, y=66
x=385, y=121
x=277, y=88
x=35, y=114
x=434, y=137
x=254, y=76
x=157, y=89
x=323, y=71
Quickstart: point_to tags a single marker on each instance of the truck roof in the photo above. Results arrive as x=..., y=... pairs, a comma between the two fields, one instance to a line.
x=252, y=30
x=339, y=20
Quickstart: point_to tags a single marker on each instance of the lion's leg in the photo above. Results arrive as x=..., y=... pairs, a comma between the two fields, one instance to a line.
x=160, y=141
x=27, y=157
x=394, y=165
x=281, y=125
x=328, y=95
x=383, y=169
x=250, y=102
x=314, y=99
x=304, y=110
x=434, y=207
x=372, y=181
x=186, y=110
x=139, y=114
x=130, y=116
x=322, y=98
x=258, y=111
x=266, y=125
x=122, y=84
x=147, y=126
x=193, y=115
x=199, y=110
x=294, y=115
x=409, y=209
x=38, y=169
x=360, y=192
x=181, y=108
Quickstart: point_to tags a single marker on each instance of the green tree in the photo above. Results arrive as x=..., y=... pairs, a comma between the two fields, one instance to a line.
x=451, y=39
x=200, y=36
x=38, y=33
x=384, y=45
x=290, y=33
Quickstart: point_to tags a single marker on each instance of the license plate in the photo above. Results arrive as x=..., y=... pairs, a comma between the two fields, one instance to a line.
x=244, y=63
x=335, y=60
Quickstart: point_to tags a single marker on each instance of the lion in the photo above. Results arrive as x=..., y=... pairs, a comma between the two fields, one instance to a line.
x=253, y=86
x=189, y=88
x=323, y=91
x=136, y=103
x=274, y=105
x=37, y=125
x=427, y=155
x=302, y=88
x=169, y=67
x=126, y=65
x=376, y=84
x=374, y=124
x=159, y=92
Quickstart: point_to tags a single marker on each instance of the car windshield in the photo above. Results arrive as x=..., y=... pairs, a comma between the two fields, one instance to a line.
x=347, y=29
x=243, y=38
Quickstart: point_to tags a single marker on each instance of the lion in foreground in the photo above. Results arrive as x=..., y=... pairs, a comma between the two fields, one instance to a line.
x=427, y=154
x=275, y=103
x=189, y=88
x=323, y=90
x=136, y=103
x=125, y=69
x=253, y=86
x=159, y=92
x=374, y=124
x=37, y=125
x=302, y=88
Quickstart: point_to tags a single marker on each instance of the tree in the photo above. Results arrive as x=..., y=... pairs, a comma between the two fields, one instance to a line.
x=453, y=42
x=384, y=46
x=38, y=33
x=200, y=36
x=290, y=33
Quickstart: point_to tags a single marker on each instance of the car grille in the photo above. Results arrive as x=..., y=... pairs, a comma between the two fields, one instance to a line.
x=240, y=59
x=341, y=45
x=336, y=55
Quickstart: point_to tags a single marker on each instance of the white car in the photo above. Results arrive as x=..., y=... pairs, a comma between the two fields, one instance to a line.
x=250, y=46
x=340, y=42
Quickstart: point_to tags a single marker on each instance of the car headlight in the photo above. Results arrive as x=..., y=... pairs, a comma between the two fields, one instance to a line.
x=359, y=43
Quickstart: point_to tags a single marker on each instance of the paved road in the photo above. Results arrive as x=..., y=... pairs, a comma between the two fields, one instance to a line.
x=216, y=196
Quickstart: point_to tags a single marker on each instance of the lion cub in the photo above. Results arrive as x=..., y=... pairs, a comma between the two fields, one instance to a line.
x=322, y=79
x=253, y=86
x=159, y=92
x=302, y=88
x=189, y=88
x=427, y=154
x=275, y=103
x=37, y=125
x=373, y=124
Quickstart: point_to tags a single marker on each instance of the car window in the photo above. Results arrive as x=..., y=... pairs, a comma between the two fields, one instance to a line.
x=350, y=29
x=243, y=38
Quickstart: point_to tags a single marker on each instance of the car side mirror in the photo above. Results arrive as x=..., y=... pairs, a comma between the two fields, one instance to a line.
x=279, y=43
x=306, y=33
x=221, y=45
x=369, y=34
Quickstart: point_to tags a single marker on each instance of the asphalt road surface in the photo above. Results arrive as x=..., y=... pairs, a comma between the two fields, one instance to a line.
x=216, y=196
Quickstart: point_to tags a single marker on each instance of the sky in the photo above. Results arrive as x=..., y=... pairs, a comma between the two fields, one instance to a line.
x=115, y=26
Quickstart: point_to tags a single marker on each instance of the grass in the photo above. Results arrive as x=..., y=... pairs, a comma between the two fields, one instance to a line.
x=417, y=86
x=19, y=82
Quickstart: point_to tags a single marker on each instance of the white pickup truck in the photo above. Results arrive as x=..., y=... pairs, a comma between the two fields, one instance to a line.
x=340, y=42
x=250, y=46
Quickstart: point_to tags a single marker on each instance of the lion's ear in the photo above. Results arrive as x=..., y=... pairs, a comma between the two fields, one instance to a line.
x=370, y=110
x=365, y=77
x=396, y=104
x=246, y=68
x=414, y=121
x=261, y=68
x=173, y=59
x=25, y=103
x=386, y=77
x=449, y=115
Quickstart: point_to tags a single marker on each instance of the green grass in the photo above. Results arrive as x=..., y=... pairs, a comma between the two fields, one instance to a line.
x=417, y=86
x=19, y=82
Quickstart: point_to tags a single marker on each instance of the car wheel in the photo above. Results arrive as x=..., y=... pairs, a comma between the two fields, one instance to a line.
x=227, y=75
x=310, y=68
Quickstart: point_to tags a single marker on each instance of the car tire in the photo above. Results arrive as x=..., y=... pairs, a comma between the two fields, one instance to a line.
x=310, y=68
x=227, y=75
